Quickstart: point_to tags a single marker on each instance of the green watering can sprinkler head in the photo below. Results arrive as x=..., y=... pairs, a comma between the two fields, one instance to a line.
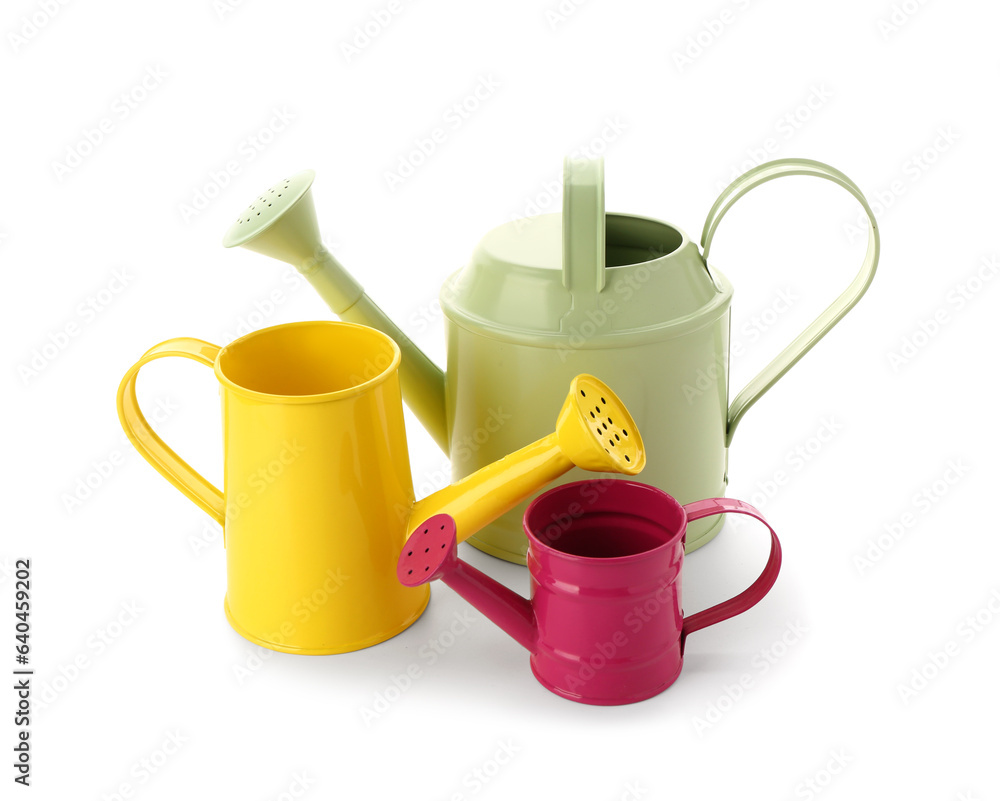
x=285, y=213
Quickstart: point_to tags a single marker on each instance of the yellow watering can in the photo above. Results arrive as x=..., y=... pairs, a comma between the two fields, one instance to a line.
x=318, y=497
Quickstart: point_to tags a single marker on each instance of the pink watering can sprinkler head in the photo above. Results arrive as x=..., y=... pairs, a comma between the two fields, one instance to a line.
x=604, y=624
x=430, y=553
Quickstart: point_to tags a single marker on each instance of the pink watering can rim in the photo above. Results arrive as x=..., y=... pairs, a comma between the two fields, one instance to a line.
x=671, y=517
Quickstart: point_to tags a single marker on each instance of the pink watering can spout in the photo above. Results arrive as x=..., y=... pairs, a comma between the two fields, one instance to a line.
x=432, y=553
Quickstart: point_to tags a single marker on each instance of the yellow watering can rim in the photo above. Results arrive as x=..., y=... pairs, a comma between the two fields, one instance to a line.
x=357, y=389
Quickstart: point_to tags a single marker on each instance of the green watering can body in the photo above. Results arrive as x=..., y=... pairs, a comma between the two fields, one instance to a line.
x=628, y=299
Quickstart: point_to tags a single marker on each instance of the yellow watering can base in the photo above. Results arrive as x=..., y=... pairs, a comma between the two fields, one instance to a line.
x=279, y=643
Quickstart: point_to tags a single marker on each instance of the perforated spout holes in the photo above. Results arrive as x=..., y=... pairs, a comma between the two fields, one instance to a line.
x=264, y=202
x=613, y=437
x=427, y=550
x=268, y=208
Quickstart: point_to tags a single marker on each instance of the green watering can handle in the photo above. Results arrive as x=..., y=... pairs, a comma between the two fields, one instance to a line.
x=583, y=227
x=818, y=328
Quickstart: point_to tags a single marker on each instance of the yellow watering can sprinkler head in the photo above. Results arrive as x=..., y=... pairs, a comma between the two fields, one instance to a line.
x=594, y=431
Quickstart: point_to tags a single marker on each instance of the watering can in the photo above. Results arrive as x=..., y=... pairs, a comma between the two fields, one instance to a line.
x=628, y=298
x=318, y=499
x=604, y=624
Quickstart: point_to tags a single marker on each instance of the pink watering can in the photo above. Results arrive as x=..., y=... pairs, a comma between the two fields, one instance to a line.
x=604, y=624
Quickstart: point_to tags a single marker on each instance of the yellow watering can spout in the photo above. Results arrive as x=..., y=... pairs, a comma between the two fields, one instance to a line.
x=281, y=223
x=594, y=431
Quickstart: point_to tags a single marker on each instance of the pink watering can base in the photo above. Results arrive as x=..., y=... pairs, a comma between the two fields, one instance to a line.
x=604, y=624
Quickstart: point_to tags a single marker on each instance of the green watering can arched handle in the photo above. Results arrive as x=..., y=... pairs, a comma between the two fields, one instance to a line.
x=583, y=226
x=818, y=328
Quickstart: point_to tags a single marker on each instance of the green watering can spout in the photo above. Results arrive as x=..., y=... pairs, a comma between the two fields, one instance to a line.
x=281, y=223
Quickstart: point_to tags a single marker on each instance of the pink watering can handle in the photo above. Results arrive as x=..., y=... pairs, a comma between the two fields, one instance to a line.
x=752, y=594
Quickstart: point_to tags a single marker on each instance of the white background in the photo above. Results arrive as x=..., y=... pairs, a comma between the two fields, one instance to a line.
x=904, y=104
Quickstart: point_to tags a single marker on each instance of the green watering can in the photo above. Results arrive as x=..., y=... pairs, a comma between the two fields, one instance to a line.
x=629, y=299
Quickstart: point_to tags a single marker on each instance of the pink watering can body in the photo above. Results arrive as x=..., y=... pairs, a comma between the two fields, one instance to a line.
x=604, y=624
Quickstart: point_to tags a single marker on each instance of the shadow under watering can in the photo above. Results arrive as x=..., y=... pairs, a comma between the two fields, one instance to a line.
x=542, y=299
x=318, y=497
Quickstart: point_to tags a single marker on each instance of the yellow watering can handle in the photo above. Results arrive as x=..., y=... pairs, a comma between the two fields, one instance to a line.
x=819, y=327
x=153, y=449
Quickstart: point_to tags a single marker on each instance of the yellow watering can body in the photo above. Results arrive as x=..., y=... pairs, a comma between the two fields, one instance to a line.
x=324, y=483
x=316, y=473
x=318, y=496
